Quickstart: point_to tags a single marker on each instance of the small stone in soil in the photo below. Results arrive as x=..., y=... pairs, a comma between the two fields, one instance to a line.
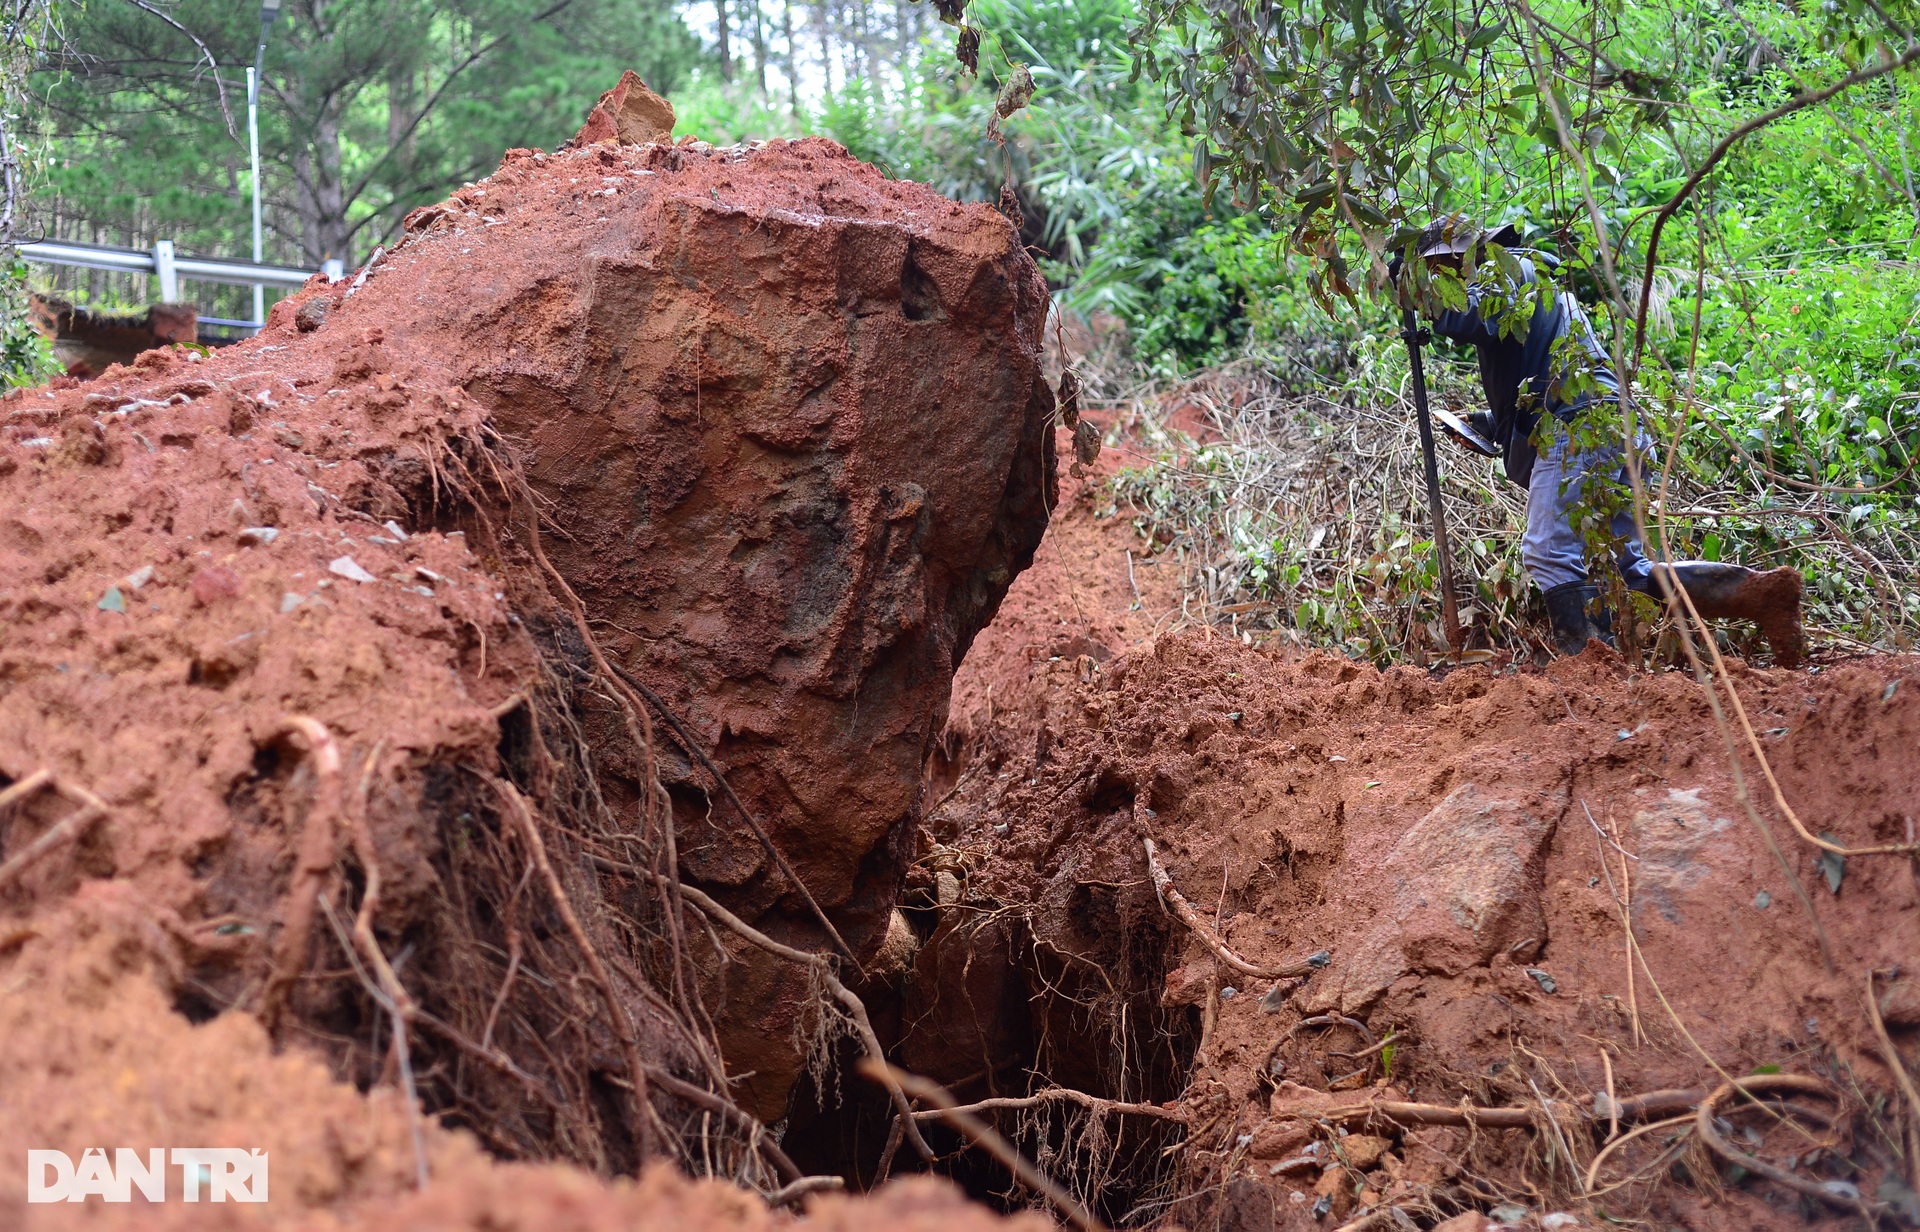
x=347, y=567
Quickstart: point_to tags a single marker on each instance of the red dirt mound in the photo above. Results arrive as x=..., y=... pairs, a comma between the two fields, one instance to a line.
x=1457, y=845
x=280, y=657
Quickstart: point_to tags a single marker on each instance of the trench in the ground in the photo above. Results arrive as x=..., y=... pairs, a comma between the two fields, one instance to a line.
x=990, y=1010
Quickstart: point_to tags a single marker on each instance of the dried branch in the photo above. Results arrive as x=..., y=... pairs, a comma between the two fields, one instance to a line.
x=1797, y=102
x=212, y=65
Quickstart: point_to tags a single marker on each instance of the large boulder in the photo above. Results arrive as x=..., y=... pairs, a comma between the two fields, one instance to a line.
x=789, y=426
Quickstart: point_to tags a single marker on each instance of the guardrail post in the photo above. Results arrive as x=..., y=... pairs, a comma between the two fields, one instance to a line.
x=169, y=276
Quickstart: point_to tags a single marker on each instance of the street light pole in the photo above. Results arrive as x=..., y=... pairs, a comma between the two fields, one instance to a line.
x=253, y=143
x=269, y=10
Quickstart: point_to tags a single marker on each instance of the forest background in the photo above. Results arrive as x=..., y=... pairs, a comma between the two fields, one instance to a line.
x=1211, y=187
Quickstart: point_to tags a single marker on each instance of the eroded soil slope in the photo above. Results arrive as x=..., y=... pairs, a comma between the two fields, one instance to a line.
x=1468, y=849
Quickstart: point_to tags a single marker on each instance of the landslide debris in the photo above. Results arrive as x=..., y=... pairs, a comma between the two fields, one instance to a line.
x=1469, y=850
x=356, y=631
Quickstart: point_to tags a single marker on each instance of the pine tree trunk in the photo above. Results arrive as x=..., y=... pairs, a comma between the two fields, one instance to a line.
x=726, y=52
x=793, y=72
x=760, y=47
x=324, y=213
x=826, y=46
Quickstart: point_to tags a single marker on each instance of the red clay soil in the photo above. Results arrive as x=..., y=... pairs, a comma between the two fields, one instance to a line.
x=783, y=432
x=274, y=621
x=1095, y=588
x=1455, y=841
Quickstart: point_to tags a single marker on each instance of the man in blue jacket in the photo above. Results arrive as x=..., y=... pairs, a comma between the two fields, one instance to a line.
x=1552, y=362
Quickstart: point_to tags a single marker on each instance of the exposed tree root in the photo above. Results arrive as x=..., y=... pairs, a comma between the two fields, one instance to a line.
x=856, y=1008
x=1178, y=906
x=647, y=1124
x=1847, y=1199
x=1051, y=1095
x=319, y=847
x=983, y=1136
x=1373, y=1112
x=91, y=809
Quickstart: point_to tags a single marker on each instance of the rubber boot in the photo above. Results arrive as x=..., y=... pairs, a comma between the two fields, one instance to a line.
x=1573, y=626
x=1770, y=599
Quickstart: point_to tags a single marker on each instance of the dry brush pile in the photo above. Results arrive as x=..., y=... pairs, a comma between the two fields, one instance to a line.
x=1298, y=506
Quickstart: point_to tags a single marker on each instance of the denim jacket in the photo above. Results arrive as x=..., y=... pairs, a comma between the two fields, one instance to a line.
x=1508, y=364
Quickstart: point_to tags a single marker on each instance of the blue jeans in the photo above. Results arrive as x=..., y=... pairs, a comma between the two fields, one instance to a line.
x=1551, y=549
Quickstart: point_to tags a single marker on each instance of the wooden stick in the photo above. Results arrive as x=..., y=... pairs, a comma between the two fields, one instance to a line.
x=985, y=1137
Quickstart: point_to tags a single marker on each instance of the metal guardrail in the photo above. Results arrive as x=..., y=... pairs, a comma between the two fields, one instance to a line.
x=160, y=260
x=133, y=261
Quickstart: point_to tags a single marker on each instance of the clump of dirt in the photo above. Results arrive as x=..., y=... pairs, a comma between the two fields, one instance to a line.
x=387, y=666
x=1539, y=892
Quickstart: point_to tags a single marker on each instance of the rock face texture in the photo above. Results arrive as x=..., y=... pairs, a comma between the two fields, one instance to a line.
x=789, y=425
x=790, y=421
x=1460, y=887
x=784, y=432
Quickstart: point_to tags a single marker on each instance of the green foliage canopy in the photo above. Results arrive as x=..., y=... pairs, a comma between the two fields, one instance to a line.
x=1361, y=119
x=369, y=107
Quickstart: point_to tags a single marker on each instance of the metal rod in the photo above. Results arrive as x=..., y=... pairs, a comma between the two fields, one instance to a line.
x=1449, y=604
x=253, y=146
x=136, y=261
